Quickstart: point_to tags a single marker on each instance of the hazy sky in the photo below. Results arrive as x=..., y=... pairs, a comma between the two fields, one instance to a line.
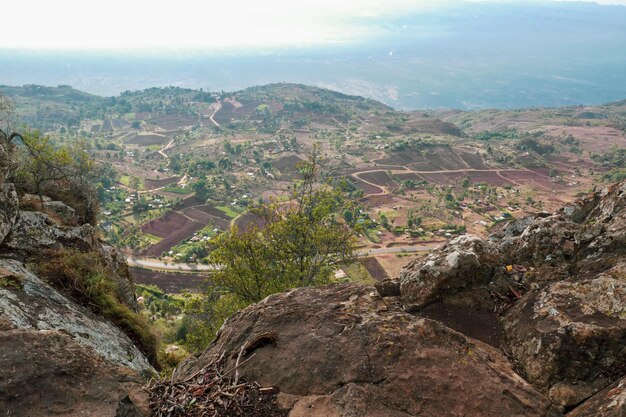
x=193, y=24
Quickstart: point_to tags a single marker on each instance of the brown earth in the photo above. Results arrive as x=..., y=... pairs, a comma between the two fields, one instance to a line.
x=170, y=282
x=342, y=350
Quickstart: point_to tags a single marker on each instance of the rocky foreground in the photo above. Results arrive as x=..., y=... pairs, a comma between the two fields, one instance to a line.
x=530, y=322
x=56, y=356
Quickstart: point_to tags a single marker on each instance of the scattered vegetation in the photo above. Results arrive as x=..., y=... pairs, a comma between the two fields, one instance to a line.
x=84, y=277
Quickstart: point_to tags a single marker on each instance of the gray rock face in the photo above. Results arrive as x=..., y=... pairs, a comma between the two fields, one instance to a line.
x=570, y=337
x=342, y=350
x=47, y=373
x=61, y=209
x=463, y=263
x=37, y=306
x=116, y=263
x=9, y=209
x=35, y=231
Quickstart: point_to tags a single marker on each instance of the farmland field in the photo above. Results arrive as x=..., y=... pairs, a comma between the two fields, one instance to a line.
x=170, y=282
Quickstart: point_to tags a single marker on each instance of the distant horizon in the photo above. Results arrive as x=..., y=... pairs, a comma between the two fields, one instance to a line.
x=197, y=26
x=471, y=56
x=306, y=85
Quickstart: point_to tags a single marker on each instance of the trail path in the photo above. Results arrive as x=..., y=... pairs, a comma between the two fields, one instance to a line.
x=216, y=106
x=170, y=144
x=153, y=263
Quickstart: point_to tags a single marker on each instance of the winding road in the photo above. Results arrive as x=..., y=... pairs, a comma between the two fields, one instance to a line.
x=152, y=263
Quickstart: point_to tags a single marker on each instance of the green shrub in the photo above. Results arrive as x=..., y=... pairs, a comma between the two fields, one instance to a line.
x=84, y=277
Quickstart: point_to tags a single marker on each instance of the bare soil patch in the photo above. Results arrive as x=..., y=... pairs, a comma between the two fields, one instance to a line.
x=380, y=178
x=165, y=225
x=175, y=237
x=247, y=220
x=374, y=268
x=473, y=160
x=170, y=282
x=164, y=182
x=367, y=188
x=147, y=139
x=377, y=200
x=287, y=166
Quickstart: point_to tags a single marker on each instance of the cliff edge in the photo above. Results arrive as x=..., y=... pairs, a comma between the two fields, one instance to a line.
x=59, y=357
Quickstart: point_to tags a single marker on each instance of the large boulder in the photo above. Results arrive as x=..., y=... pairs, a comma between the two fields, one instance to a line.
x=28, y=303
x=570, y=337
x=464, y=263
x=35, y=232
x=343, y=350
x=47, y=372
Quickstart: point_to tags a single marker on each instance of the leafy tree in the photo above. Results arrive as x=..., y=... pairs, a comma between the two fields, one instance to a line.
x=300, y=243
x=294, y=244
x=41, y=162
x=202, y=189
x=134, y=182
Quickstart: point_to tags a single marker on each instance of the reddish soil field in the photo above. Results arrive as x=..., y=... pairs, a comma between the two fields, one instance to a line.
x=367, y=188
x=545, y=171
x=165, y=225
x=387, y=167
x=197, y=215
x=473, y=160
x=172, y=122
x=176, y=236
x=488, y=177
x=531, y=177
x=399, y=158
x=147, y=140
x=409, y=176
x=188, y=202
x=446, y=160
x=424, y=165
x=203, y=217
x=379, y=178
x=152, y=184
x=443, y=179
x=431, y=159
x=170, y=282
x=377, y=200
x=214, y=212
x=226, y=113
x=287, y=165
x=248, y=219
x=374, y=268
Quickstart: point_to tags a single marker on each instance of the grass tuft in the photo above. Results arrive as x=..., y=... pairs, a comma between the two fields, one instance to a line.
x=84, y=277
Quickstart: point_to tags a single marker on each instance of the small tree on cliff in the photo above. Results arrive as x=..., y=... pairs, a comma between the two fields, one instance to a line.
x=64, y=173
x=291, y=244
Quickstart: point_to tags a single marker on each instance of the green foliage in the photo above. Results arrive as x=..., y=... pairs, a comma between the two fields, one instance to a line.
x=11, y=282
x=202, y=189
x=64, y=173
x=614, y=158
x=615, y=175
x=40, y=162
x=295, y=244
x=204, y=317
x=84, y=277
